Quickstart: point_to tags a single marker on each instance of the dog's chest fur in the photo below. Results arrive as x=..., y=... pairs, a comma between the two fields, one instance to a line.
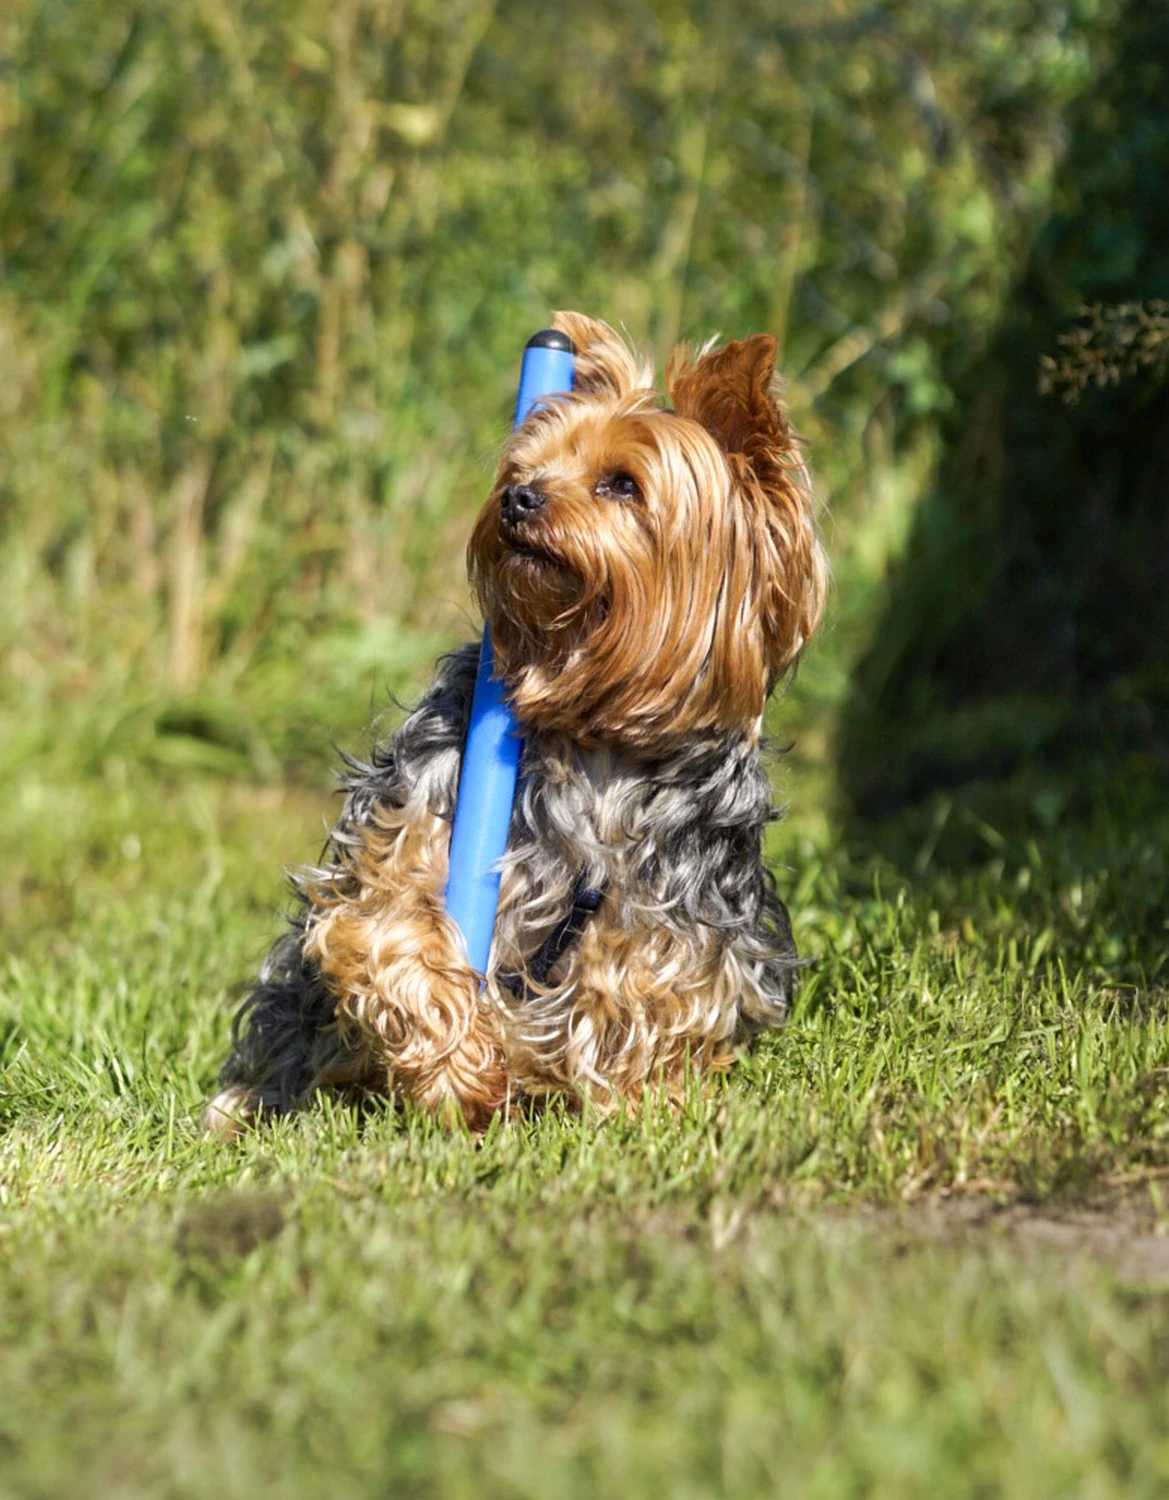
x=672, y=845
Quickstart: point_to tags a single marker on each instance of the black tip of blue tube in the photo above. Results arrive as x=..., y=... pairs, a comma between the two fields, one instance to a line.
x=551, y=338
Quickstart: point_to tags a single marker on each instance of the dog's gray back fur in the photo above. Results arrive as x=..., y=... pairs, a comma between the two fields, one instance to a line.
x=676, y=841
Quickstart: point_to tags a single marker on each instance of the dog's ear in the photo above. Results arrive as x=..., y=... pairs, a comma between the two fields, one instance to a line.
x=730, y=392
x=605, y=365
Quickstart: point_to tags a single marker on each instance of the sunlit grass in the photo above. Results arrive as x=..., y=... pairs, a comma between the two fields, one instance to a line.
x=731, y=1299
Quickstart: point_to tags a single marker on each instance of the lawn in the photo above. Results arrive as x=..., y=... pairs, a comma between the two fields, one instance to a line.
x=912, y=1246
x=265, y=273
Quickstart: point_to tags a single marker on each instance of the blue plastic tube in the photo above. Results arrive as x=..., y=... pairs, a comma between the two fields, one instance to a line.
x=492, y=753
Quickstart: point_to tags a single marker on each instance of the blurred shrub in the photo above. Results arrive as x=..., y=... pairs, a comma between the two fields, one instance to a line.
x=1107, y=345
x=267, y=265
x=1027, y=629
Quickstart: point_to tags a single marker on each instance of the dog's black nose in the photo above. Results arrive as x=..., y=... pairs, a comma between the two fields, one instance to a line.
x=519, y=502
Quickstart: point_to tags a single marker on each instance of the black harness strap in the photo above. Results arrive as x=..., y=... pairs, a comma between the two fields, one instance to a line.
x=585, y=901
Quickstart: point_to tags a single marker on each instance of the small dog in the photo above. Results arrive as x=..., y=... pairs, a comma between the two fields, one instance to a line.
x=648, y=575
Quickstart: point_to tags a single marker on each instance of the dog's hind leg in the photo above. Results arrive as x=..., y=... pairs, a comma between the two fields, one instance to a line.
x=286, y=1043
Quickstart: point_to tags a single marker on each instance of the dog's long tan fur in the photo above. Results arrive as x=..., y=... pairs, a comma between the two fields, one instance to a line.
x=661, y=573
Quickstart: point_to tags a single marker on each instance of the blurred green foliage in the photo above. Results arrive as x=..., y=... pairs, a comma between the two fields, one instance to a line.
x=1027, y=628
x=266, y=268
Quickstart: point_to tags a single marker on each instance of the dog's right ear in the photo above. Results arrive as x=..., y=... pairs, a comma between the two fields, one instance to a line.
x=605, y=365
x=730, y=391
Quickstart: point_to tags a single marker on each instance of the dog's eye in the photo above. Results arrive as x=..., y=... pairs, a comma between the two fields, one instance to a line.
x=619, y=486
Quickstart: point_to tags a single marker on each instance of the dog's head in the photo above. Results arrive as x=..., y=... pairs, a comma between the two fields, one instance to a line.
x=646, y=572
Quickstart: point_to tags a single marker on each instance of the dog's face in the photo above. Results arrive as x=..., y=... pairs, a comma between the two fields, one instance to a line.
x=647, y=573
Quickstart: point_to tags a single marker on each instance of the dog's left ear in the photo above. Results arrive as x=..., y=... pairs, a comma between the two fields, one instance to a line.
x=730, y=392
x=605, y=365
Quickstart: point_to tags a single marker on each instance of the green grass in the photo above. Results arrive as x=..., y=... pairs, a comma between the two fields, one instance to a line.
x=264, y=286
x=809, y=1282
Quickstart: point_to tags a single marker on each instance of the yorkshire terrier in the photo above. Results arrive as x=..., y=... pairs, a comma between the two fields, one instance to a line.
x=648, y=573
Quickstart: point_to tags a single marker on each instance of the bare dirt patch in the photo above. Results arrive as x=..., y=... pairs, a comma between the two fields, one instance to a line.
x=1124, y=1224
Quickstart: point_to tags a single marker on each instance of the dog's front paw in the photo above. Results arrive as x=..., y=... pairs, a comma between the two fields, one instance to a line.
x=232, y=1111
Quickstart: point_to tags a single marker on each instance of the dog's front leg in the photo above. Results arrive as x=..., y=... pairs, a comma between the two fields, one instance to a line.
x=407, y=1001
